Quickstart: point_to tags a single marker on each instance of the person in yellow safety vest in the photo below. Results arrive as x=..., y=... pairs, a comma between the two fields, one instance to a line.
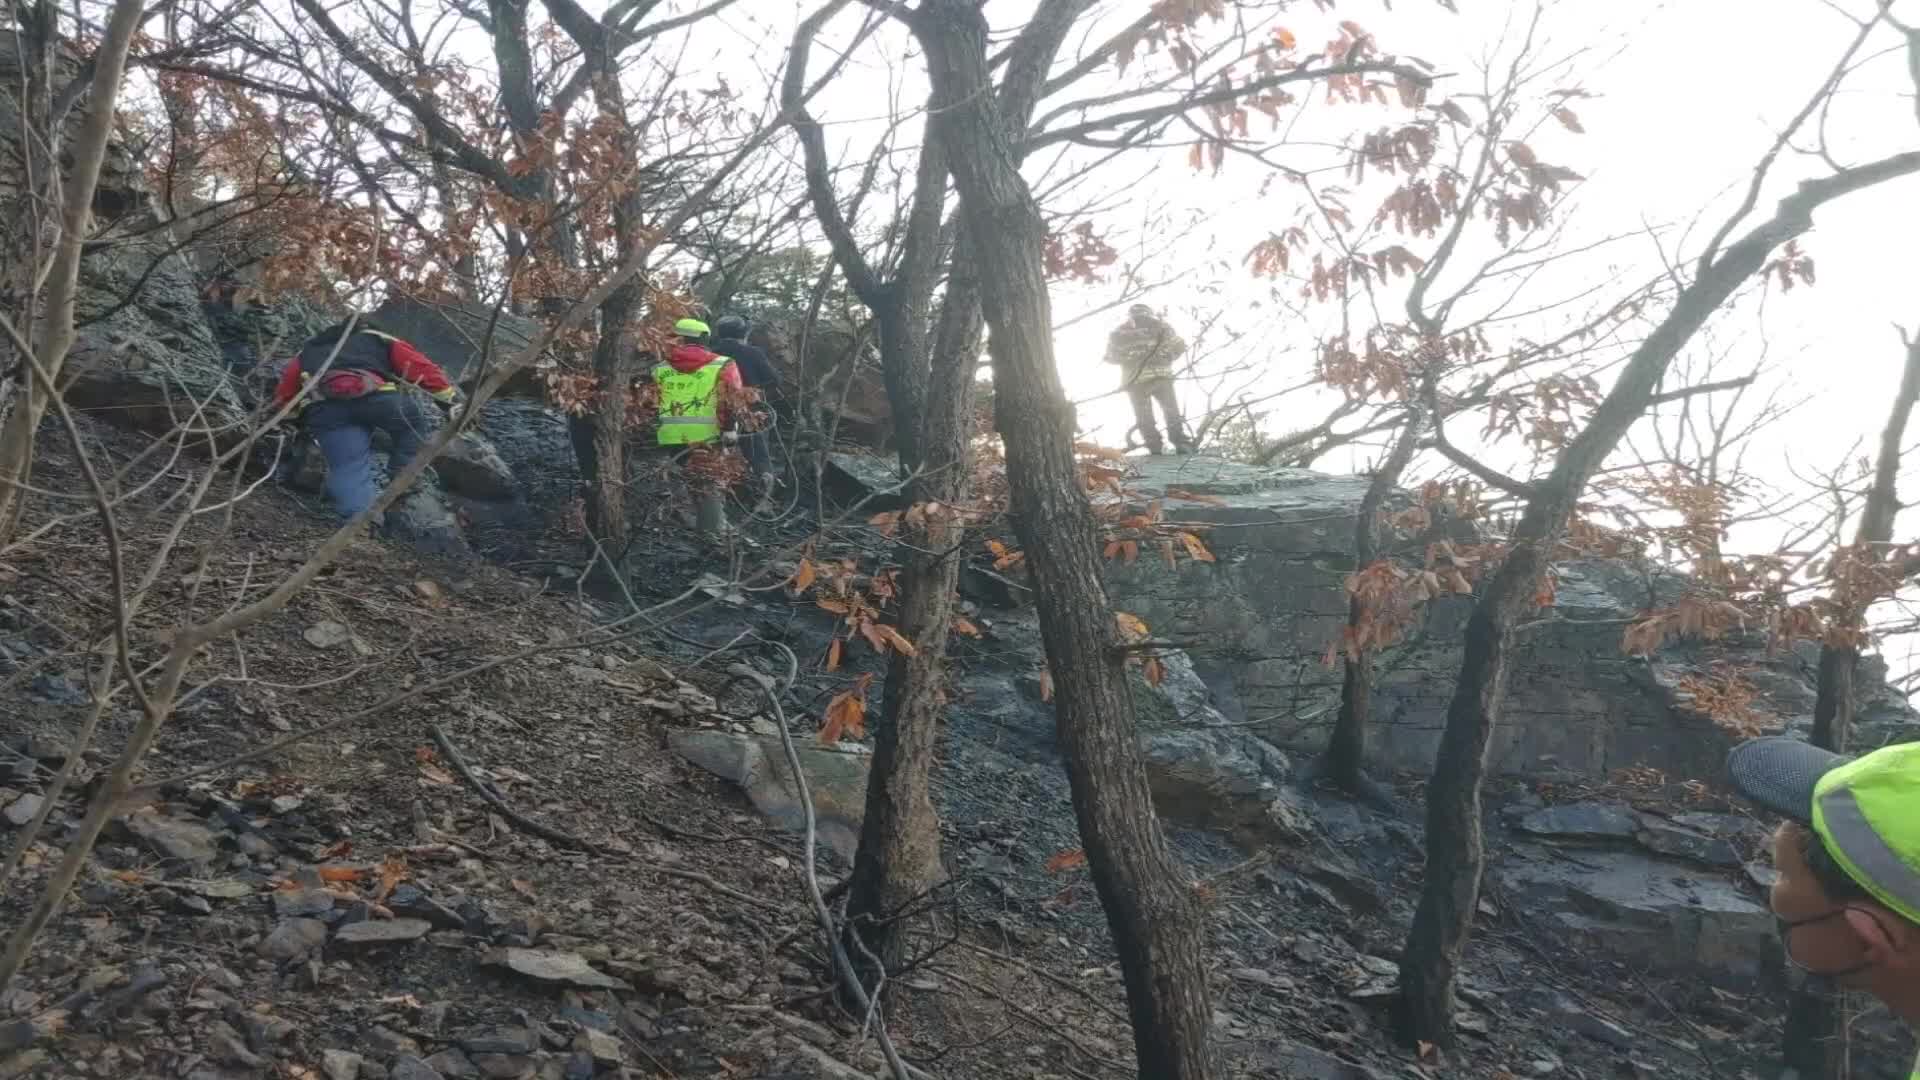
x=693, y=410
x=1847, y=898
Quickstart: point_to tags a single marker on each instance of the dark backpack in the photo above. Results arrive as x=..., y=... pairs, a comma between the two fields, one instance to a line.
x=362, y=366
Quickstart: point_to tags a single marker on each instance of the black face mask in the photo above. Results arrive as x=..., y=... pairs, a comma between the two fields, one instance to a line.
x=1788, y=926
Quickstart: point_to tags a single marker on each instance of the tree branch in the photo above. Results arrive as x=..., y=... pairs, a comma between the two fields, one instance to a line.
x=1038, y=139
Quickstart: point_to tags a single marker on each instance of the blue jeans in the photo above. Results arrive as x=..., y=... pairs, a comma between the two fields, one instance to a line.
x=344, y=430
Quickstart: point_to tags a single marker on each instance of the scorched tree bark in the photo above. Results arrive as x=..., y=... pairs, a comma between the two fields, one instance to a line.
x=1150, y=909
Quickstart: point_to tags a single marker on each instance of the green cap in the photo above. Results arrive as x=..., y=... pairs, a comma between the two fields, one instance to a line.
x=692, y=328
x=1866, y=810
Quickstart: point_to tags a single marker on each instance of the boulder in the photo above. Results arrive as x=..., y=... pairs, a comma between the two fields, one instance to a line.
x=472, y=467
x=1644, y=910
x=1264, y=612
x=531, y=438
x=467, y=340
x=151, y=364
x=836, y=778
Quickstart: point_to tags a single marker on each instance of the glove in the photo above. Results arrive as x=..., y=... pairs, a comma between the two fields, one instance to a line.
x=730, y=437
x=455, y=411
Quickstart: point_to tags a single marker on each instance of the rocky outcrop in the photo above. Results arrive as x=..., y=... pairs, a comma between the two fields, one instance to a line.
x=1261, y=617
x=467, y=340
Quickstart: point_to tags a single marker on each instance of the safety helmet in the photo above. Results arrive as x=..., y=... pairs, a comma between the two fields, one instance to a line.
x=730, y=328
x=692, y=328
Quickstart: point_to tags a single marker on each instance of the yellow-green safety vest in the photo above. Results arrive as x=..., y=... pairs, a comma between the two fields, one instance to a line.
x=689, y=403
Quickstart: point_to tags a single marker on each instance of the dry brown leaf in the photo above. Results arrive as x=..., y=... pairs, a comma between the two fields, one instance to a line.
x=833, y=655
x=432, y=592
x=1066, y=860
x=803, y=577
x=522, y=886
x=846, y=717
x=342, y=873
x=1195, y=548
x=1046, y=685
x=965, y=626
x=1131, y=624
x=897, y=640
x=437, y=775
x=392, y=872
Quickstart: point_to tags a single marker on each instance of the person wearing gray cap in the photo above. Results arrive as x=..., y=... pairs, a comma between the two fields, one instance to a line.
x=1848, y=893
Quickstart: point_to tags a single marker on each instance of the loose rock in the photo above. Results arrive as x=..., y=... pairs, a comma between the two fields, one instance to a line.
x=340, y=1064
x=23, y=809
x=504, y=1040
x=293, y=939
x=453, y=1064
x=1581, y=821
x=413, y=902
x=172, y=838
x=382, y=932
x=557, y=968
x=409, y=1067
x=298, y=903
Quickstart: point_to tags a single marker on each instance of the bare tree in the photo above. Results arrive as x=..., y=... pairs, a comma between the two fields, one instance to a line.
x=1455, y=849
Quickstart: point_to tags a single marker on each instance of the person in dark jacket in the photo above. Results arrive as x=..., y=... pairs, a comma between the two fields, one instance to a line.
x=756, y=372
x=350, y=381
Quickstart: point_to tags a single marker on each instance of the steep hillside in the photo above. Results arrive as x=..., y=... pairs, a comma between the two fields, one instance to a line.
x=553, y=891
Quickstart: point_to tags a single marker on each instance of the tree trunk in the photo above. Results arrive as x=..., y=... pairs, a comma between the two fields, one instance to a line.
x=1150, y=908
x=1346, y=761
x=1455, y=849
x=1816, y=1042
x=613, y=361
x=899, y=856
x=23, y=401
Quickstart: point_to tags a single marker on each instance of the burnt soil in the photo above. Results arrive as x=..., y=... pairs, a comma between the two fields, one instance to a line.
x=160, y=965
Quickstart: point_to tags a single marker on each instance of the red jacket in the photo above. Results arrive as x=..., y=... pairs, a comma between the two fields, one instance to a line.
x=687, y=358
x=408, y=362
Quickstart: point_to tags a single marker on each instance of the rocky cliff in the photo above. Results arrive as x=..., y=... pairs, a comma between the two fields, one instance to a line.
x=1257, y=623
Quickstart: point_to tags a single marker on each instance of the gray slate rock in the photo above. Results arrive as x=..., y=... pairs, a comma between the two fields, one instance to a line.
x=1667, y=838
x=293, y=939
x=553, y=968
x=296, y=903
x=413, y=902
x=499, y=1040
x=410, y=1067
x=340, y=1064
x=172, y=838
x=1581, y=821
x=374, y=932
x=23, y=809
x=453, y=1064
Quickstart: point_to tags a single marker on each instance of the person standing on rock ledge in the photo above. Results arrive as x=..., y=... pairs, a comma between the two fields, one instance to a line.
x=353, y=388
x=1848, y=893
x=1145, y=348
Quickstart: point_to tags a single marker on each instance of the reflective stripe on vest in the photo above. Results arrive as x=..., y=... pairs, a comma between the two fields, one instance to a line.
x=689, y=403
